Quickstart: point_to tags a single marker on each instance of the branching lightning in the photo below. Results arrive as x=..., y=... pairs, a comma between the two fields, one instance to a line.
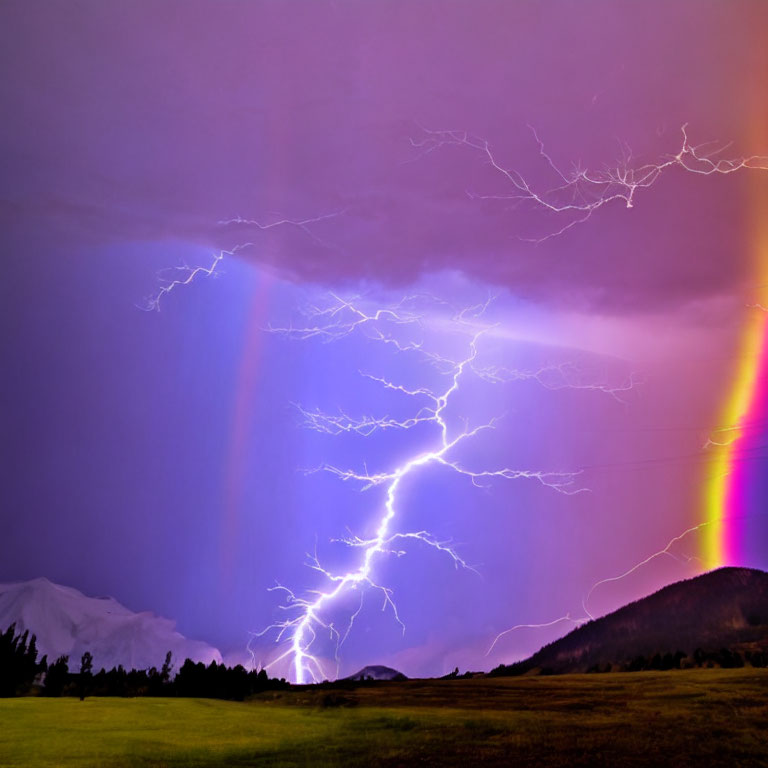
x=172, y=278
x=342, y=317
x=666, y=551
x=545, y=625
x=186, y=275
x=574, y=198
x=581, y=192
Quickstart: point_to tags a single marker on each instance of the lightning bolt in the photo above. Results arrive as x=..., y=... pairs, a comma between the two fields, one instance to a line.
x=310, y=617
x=575, y=197
x=561, y=376
x=578, y=194
x=554, y=622
x=186, y=275
x=172, y=278
x=666, y=550
x=588, y=616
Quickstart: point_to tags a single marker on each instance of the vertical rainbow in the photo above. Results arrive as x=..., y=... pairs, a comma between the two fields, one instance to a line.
x=746, y=407
x=242, y=418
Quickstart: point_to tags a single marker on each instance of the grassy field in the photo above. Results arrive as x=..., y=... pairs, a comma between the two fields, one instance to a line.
x=681, y=718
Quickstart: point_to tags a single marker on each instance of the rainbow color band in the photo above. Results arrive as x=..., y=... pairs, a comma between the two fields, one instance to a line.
x=745, y=410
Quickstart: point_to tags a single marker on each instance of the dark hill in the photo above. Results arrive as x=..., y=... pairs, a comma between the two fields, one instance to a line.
x=377, y=672
x=718, y=618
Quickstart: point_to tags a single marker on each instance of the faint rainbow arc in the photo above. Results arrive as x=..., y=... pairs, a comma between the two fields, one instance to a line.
x=242, y=422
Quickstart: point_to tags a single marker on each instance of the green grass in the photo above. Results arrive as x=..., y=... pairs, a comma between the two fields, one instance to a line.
x=690, y=718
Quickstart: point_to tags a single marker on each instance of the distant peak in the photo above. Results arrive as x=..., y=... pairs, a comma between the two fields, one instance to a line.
x=377, y=672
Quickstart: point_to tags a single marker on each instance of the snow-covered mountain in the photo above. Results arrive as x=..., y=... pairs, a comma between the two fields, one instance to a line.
x=67, y=622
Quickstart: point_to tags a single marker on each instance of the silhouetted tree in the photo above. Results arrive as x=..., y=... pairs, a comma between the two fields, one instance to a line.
x=85, y=676
x=57, y=677
x=19, y=666
x=451, y=675
x=19, y=669
x=221, y=682
x=165, y=672
x=116, y=682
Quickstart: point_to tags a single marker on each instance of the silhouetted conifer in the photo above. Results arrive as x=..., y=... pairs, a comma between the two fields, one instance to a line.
x=85, y=676
x=57, y=677
x=19, y=666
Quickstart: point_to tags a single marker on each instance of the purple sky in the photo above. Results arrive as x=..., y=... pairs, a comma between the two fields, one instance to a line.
x=154, y=456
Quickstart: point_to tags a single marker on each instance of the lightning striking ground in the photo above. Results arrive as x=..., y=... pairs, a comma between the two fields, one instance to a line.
x=576, y=196
x=342, y=317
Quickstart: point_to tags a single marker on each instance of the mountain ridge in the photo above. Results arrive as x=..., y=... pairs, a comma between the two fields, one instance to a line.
x=726, y=608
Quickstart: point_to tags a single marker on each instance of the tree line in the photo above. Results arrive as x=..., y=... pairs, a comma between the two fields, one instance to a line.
x=723, y=658
x=22, y=674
